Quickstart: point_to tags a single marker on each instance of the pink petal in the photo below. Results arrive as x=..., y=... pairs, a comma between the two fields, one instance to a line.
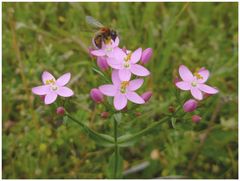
x=41, y=90
x=205, y=74
x=119, y=54
x=47, y=76
x=136, y=55
x=108, y=89
x=115, y=78
x=207, y=89
x=64, y=92
x=50, y=98
x=116, y=42
x=114, y=63
x=185, y=73
x=134, y=97
x=183, y=85
x=120, y=101
x=98, y=53
x=124, y=74
x=196, y=93
x=139, y=70
x=135, y=84
x=64, y=79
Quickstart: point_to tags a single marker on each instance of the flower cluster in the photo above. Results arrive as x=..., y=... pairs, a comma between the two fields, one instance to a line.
x=127, y=73
x=195, y=83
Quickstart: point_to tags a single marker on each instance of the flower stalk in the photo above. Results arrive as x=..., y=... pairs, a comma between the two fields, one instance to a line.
x=116, y=149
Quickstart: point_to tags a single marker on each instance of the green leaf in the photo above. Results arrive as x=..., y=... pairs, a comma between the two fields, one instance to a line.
x=173, y=121
x=115, y=169
x=118, y=117
x=101, y=74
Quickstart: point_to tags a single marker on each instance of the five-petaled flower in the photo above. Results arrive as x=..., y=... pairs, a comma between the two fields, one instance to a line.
x=122, y=91
x=127, y=64
x=51, y=87
x=195, y=82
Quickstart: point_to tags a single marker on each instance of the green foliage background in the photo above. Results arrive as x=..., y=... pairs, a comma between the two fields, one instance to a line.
x=54, y=37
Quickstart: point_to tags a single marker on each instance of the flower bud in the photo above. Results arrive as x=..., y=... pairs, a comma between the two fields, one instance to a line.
x=138, y=114
x=176, y=80
x=60, y=111
x=146, y=55
x=96, y=95
x=171, y=109
x=104, y=115
x=146, y=96
x=42, y=97
x=102, y=63
x=196, y=118
x=124, y=49
x=190, y=105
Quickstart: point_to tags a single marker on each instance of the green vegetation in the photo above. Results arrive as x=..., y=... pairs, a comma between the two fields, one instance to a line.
x=37, y=143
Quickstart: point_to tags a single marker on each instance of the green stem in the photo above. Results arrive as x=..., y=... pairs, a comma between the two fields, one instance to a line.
x=116, y=150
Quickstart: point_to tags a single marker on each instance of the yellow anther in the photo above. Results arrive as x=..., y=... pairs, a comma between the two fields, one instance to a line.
x=196, y=74
x=124, y=85
x=128, y=57
x=51, y=81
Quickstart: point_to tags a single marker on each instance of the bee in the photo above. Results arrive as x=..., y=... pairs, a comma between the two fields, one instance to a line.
x=103, y=35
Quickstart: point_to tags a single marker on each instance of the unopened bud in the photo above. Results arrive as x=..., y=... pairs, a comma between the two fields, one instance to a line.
x=60, y=111
x=146, y=55
x=190, y=105
x=96, y=95
x=138, y=114
x=102, y=63
x=42, y=97
x=171, y=109
x=176, y=80
x=104, y=115
x=196, y=118
x=146, y=96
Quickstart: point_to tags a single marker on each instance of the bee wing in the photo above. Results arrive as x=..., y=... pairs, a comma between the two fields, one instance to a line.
x=92, y=21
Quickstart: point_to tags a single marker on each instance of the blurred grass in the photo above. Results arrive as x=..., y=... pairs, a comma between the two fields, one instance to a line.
x=55, y=37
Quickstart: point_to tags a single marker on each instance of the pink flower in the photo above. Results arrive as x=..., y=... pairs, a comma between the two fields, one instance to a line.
x=146, y=55
x=190, y=105
x=126, y=64
x=122, y=91
x=96, y=95
x=102, y=63
x=51, y=87
x=107, y=49
x=195, y=82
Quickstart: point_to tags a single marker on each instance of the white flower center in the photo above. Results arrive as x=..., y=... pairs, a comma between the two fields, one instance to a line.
x=126, y=64
x=194, y=83
x=108, y=49
x=54, y=87
x=52, y=84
